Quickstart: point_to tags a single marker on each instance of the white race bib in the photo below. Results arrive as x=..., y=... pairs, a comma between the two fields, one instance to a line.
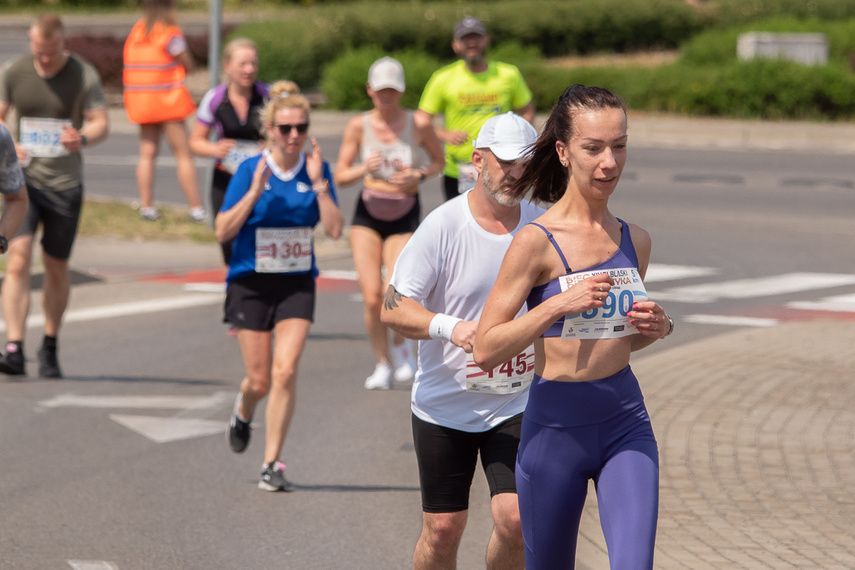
x=40, y=137
x=283, y=250
x=394, y=159
x=466, y=176
x=241, y=151
x=610, y=320
x=508, y=378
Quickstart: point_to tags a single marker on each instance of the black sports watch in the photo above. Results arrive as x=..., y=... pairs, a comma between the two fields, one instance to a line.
x=4, y=244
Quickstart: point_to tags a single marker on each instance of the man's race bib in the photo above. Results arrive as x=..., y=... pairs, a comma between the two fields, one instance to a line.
x=508, y=378
x=241, y=151
x=40, y=137
x=466, y=176
x=283, y=250
x=610, y=320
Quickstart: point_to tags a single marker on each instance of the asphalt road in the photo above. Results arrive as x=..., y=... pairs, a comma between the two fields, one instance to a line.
x=124, y=464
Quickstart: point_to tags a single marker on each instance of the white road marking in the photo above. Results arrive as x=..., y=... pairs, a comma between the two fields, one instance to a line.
x=841, y=303
x=657, y=272
x=730, y=321
x=219, y=287
x=750, y=288
x=165, y=430
x=340, y=274
x=92, y=565
x=127, y=309
x=214, y=401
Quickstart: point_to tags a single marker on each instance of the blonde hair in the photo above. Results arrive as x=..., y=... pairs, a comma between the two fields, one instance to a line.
x=47, y=26
x=158, y=12
x=284, y=95
x=236, y=44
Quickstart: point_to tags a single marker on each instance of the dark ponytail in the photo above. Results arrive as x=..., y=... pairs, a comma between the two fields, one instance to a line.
x=543, y=173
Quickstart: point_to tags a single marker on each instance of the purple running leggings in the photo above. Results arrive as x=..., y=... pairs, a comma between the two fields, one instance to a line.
x=573, y=432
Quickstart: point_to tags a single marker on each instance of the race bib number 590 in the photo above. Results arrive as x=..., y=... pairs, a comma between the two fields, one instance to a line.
x=283, y=250
x=611, y=320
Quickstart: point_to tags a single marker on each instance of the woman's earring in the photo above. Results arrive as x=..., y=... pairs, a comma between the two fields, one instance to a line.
x=564, y=163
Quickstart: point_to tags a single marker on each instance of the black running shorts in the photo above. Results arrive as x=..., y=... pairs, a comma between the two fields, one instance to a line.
x=447, y=459
x=58, y=211
x=257, y=302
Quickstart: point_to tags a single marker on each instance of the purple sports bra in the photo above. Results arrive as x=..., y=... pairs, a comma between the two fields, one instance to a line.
x=625, y=256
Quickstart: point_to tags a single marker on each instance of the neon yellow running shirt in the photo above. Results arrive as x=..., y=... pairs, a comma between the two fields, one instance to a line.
x=468, y=99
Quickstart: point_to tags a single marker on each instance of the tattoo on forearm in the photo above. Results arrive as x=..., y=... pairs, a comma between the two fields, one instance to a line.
x=392, y=298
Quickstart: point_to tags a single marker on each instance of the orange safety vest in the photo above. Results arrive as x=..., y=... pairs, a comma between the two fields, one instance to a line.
x=153, y=80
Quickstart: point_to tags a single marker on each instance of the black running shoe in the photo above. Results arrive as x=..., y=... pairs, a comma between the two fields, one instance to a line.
x=12, y=363
x=273, y=478
x=239, y=430
x=48, y=364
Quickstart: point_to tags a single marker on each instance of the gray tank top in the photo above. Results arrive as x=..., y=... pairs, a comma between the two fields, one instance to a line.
x=396, y=155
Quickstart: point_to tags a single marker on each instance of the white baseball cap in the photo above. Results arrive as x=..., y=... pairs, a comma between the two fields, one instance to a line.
x=386, y=72
x=508, y=136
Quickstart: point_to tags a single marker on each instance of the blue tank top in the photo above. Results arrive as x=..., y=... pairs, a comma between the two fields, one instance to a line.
x=625, y=256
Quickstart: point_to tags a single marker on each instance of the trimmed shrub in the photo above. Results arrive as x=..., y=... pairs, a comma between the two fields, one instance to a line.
x=345, y=78
x=298, y=47
x=104, y=53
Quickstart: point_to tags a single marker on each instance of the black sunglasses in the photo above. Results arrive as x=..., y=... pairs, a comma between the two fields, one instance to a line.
x=286, y=129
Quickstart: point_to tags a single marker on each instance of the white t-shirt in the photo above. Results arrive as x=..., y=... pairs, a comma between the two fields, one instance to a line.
x=449, y=266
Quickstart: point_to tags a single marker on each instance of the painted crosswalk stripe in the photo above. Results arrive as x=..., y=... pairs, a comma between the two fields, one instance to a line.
x=657, y=272
x=750, y=288
x=730, y=321
x=841, y=303
x=126, y=309
x=92, y=565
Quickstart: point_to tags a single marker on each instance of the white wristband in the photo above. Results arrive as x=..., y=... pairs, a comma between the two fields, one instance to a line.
x=442, y=325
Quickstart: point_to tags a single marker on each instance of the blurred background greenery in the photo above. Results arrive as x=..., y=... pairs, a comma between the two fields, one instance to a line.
x=674, y=56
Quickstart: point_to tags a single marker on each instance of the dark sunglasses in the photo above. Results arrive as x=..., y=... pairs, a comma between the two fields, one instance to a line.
x=286, y=129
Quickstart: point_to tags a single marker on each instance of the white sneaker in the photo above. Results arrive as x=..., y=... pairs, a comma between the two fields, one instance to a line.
x=381, y=379
x=198, y=214
x=405, y=363
x=149, y=213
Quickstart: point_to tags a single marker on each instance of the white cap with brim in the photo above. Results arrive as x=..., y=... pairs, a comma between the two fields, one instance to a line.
x=508, y=136
x=386, y=73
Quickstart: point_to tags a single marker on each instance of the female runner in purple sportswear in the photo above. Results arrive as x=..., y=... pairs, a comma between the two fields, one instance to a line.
x=581, y=271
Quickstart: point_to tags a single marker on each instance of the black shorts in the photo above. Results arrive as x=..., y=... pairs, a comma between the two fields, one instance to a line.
x=447, y=459
x=406, y=224
x=257, y=302
x=58, y=211
x=451, y=186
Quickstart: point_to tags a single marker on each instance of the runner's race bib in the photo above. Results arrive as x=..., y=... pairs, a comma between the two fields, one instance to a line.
x=241, y=151
x=283, y=250
x=466, y=176
x=610, y=320
x=40, y=137
x=508, y=378
x=394, y=159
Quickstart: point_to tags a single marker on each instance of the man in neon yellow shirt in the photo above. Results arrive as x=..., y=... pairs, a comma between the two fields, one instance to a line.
x=468, y=92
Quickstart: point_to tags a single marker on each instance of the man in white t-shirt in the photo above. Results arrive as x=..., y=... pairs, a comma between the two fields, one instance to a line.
x=438, y=288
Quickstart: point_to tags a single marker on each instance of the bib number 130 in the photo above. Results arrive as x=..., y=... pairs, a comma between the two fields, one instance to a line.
x=283, y=250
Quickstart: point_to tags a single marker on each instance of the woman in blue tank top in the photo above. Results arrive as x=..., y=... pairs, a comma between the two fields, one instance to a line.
x=581, y=271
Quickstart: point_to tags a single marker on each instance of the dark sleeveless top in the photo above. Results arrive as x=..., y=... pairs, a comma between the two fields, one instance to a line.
x=625, y=256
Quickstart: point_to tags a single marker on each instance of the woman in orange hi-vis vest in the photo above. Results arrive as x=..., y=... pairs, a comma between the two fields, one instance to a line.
x=155, y=64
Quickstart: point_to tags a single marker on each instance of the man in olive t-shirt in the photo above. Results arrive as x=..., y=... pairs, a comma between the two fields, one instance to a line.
x=60, y=108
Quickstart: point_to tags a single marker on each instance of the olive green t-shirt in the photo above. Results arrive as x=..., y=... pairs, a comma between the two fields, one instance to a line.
x=73, y=91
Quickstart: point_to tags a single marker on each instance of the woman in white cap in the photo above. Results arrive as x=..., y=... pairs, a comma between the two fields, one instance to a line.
x=385, y=150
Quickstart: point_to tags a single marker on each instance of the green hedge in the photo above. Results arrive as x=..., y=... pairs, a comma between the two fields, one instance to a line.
x=299, y=47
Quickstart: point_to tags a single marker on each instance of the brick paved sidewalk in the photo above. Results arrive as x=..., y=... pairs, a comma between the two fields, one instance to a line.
x=756, y=433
